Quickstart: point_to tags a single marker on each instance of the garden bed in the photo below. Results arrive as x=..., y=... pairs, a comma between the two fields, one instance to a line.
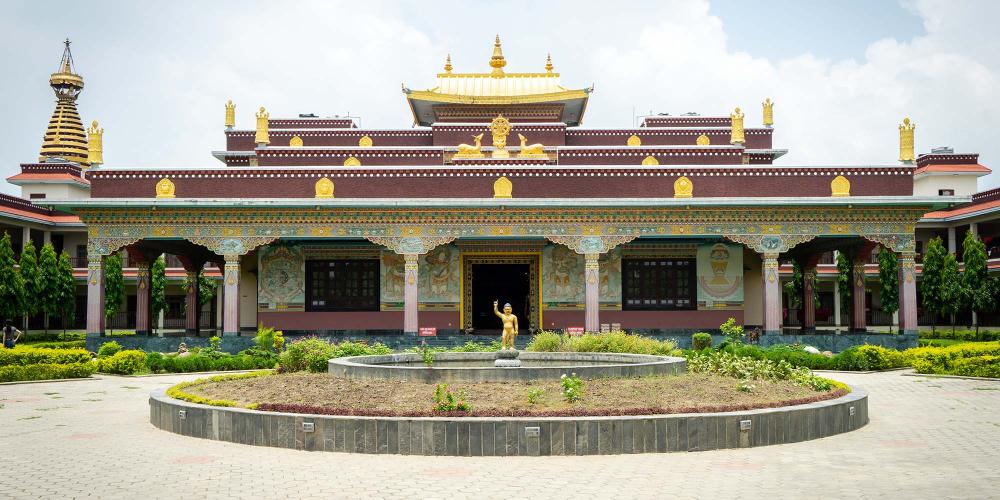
x=323, y=394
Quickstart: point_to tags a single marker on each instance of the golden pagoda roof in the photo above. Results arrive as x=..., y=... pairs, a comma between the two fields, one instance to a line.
x=65, y=138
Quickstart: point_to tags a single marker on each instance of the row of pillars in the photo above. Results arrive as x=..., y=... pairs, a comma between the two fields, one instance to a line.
x=143, y=287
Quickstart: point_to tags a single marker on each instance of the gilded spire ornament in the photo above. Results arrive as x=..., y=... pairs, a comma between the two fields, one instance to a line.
x=548, y=63
x=497, y=62
x=737, y=136
x=447, y=64
x=906, y=141
x=768, y=112
x=95, y=144
x=230, y=115
x=65, y=137
x=262, y=139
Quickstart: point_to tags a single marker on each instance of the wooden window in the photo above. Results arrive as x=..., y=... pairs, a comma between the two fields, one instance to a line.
x=946, y=192
x=342, y=285
x=36, y=196
x=658, y=284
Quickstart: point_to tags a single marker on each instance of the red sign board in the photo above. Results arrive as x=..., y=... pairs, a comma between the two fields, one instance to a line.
x=427, y=331
x=575, y=330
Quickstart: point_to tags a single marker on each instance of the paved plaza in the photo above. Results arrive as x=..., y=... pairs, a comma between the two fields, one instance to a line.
x=928, y=438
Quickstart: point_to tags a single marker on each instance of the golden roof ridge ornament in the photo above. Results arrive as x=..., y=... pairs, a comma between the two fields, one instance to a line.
x=737, y=134
x=768, y=105
x=906, y=141
x=262, y=139
x=447, y=64
x=95, y=144
x=548, y=63
x=230, y=115
x=497, y=61
x=500, y=127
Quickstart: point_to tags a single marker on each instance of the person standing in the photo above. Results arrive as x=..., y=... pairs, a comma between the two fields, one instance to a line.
x=10, y=334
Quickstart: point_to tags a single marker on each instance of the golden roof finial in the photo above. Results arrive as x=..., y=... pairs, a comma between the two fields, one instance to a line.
x=768, y=112
x=65, y=136
x=906, y=140
x=737, y=134
x=548, y=63
x=262, y=138
x=95, y=144
x=497, y=62
x=447, y=64
x=230, y=114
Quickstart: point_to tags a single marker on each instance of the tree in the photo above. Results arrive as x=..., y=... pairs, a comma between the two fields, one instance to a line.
x=206, y=288
x=888, y=275
x=931, y=278
x=952, y=289
x=32, y=278
x=157, y=286
x=979, y=287
x=795, y=287
x=844, y=281
x=49, y=298
x=114, y=285
x=11, y=283
x=66, y=291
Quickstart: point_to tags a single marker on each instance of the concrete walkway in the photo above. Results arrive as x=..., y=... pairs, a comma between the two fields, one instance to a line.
x=928, y=438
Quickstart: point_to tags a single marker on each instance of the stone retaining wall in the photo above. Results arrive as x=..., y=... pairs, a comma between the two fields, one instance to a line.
x=478, y=436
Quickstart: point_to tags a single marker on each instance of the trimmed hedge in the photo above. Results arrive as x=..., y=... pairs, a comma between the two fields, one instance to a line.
x=127, y=362
x=33, y=356
x=313, y=354
x=160, y=363
x=947, y=360
x=979, y=366
x=946, y=333
x=857, y=358
x=617, y=342
x=46, y=371
x=68, y=344
x=177, y=391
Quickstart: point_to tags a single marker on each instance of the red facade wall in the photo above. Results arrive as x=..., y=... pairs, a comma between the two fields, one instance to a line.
x=453, y=135
x=244, y=141
x=368, y=156
x=635, y=156
x=629, y=320
x=373, y=320
x=756, y=138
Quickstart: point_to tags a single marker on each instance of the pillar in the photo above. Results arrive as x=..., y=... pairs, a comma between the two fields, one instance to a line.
x=25, y=237
x=808, y=298
x=143, y=298
x=907, y=293
x=410, y=296
x=772, y=295
x=974, y=229
x=46, y=238
x=95, y=295
x=592, y=304
x=836, y=302
x=231, y=296
x=952, y=244
x=858, y=293
x=191, y=312
x=219, y=308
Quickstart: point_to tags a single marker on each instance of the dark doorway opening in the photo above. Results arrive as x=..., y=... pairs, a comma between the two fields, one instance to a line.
x=505, y=283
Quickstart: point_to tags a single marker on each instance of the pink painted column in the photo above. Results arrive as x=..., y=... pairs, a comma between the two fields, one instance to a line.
x=191, y=307
x=907, y=293
x=772, y=295
x=231, y=296
x=410, y=296
x=95, y=295
x=858, y=294
x=808, y=298
x=592, y=303
x=142, y=298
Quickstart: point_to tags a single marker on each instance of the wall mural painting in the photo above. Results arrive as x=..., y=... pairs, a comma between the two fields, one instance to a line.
x=392, y=280
x=720, y=276
x=562, y=278
x=439, y=274
x=611, y=277
x=281, y=286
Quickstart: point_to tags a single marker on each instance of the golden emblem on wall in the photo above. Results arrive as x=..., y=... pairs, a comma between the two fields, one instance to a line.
x=503, y=188
x=683, y=187
x=703, y=140
x=324, y=188
x=530, y=150
x=365, y=141
x=295, y=141
x=840, y=186
x=634, y=140
x=906, y=140
x=470, y=151
x=768, y=112
x=352, y=161
x=650, y=161
x=165, y=188
x=500, y=127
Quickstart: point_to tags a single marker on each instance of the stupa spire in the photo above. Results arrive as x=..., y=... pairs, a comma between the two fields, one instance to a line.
x=65, y=136
x=497, y=62
x=447, y=64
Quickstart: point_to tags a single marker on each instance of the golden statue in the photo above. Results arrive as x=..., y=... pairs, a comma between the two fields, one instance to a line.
x=165, y=188
x=906, y=140
x=737, y=133
x=469, y=151
x=768, y=112
x=95, y=144
x=509, y=325
x=230, y=114
x=500, y=127
x=262, y=138
x=530, y=150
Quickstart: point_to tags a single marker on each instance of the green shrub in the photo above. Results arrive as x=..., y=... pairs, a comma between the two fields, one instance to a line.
x=732, y=331
x=267, y=338
x=968, y=335
x=943, y=360
x=535, y=395
x=572, y=387
x=46, y=371
x=445, y=401
x=979, y=366
x=172, y=363
x=67, y=344
x=33, y=356
x=128, y=362
x=545, y=341
x=108, y=349
x=52, y=337
x=177, y=391
x=746, y=368
x=617, y=341
x=868, y=357
x=313, y=354
x=700, y=341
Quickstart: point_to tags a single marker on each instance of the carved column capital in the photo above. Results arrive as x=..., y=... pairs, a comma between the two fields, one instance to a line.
x=770, y=243
x=592, y=245
x=410, y=245
x=232, y=246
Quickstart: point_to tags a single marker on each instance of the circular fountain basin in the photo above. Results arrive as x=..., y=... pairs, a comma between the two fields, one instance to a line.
x=478, y=366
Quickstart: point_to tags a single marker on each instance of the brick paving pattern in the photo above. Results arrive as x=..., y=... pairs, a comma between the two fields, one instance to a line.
x=928, y=438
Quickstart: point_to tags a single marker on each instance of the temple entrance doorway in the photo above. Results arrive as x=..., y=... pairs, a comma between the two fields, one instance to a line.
x=505, y=278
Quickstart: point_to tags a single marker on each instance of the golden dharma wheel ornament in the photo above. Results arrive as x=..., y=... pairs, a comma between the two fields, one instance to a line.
x=352, y=161
x=703, y=140
x=683, y=187
x=503, y=188
x=634, y=140
x=650, y=161
x=365, y=141
x=165, y=188
x=324, y=188
x=295, y=141
x=840, y=186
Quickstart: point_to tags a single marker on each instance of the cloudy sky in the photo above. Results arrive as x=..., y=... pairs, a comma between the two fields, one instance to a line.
x=843, y=74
